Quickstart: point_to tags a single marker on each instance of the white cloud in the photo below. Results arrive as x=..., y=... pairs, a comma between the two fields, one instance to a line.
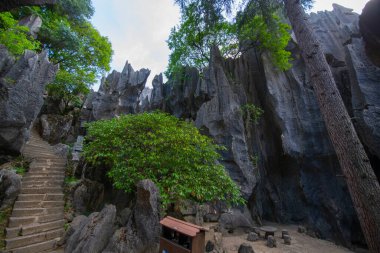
x=138, y=31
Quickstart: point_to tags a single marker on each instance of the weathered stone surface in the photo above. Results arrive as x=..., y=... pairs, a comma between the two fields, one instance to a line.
x=22, y=85
x=10, y=186
x=92, y=234
x=87, y=196
x=252, y=237
x=271, y=242
x=369, y=27
x=245, y=248
x=236, y=219
x=61, y=149
x=33, y=22
x=55, y=128
x=287, y=239
x=142, y=231
x=119, y=93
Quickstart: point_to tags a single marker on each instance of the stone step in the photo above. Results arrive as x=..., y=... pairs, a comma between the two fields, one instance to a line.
x=47, y=246
x=46, y=170
x=46, y=162
x=33, y=228
x=23, y=241
x=37, y=146
x=23, y=221
x=42, y=183
x=25, y=212
x=47, y=165
x=40, y=197
x=42, y=190
x=43, y=173
x=28, y=178
x=38, y=204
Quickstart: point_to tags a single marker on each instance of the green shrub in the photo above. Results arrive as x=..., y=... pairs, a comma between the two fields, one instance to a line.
x=170, y=152
x=251, y=112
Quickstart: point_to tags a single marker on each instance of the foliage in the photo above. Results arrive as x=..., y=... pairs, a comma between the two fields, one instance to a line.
x=203, y=25
x=72, y=42
x=83, y=55
x=170, y=152
x=20, y=165
x=190, y=42
x=251, y=112
x=15, y=37
x=4, y=216
x=273, y=37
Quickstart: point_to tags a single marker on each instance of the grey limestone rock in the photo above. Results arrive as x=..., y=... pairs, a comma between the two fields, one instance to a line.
x=142, y=231
x=119, y=93
x=92, y=234
x=55, y=128
x=245, y=248
x=87, y=196
x=22, y=86
x=271, y=242
x=252, y=237
x=10, y=186
x=236, y=219
x=33, y=22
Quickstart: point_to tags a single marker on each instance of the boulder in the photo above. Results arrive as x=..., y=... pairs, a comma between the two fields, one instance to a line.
x=10, y=186
x=92, y=234
x=142, y=232
x=236, y=219
x=252, y=237
x=271, y=242
x=87, y=196
x=245, y=248
x=22, y=86
x=369, y=28
x=55, y=128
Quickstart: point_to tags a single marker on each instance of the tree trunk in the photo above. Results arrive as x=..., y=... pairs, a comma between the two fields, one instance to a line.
x=360, y=177
x=7, y=5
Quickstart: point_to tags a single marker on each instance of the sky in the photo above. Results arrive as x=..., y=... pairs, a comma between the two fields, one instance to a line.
x=138, y=29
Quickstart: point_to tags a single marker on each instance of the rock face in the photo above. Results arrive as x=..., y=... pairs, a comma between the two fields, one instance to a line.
x=141, y=232
x=296, y=177
x=93, y=232
x=119, y=93
x=10, y=186
x=369, y=28
x=55, y=128
x=22, y=85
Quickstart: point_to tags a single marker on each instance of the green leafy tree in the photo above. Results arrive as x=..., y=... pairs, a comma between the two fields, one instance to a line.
x=361, y=180
x=203, y=25
x=72, y=42
x=15, y=37
x=170, y=152
x=190, y=42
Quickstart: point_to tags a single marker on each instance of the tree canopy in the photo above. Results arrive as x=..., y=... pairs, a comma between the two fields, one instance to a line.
x=170, y=152
x=203, y=25
x=70, y=40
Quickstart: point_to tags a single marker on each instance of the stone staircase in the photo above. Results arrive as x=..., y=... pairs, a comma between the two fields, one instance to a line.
x=37, y=220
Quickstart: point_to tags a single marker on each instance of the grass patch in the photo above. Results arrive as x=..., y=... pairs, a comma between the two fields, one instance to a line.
x=4, y=215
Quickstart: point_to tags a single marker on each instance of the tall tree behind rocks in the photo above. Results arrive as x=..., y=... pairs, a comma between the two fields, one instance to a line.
x=361, y=180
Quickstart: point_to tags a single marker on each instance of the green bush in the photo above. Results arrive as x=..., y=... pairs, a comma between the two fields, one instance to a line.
x=170, y=152
x=251, y=112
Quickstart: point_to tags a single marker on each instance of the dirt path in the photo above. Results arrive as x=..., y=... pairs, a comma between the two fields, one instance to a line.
x=37, y=220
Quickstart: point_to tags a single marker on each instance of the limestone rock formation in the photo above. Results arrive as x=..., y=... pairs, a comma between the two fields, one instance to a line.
x=370, y=29
x=119, y=93
x=296, y=177
x=22, y=85
x=10, y=186
x=93, y=232
x=55, y=128
x=141, y=233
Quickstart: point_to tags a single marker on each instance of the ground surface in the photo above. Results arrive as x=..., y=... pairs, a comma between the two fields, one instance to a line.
x=301, y=243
